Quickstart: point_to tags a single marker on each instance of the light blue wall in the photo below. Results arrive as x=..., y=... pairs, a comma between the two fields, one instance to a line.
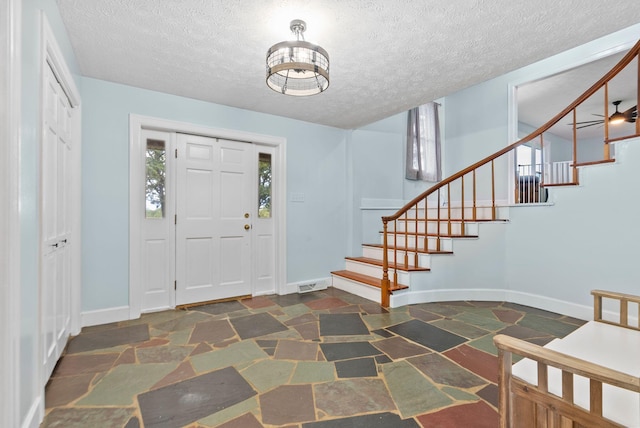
x=316, y=166
x=29, y=184
x=375, y=171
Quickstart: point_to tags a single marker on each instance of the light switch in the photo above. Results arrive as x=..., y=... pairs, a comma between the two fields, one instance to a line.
x=296, y=197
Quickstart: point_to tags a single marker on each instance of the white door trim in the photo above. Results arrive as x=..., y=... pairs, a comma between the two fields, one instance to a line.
x=10, y=107
x=136, y=190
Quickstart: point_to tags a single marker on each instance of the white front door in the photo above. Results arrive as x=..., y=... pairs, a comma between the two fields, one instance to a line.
x=55, y=222
x=216, y=204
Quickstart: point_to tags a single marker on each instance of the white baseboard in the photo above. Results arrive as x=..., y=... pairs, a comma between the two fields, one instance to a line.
x=34, y=416
x=104, y=316
x=415, y=297
x=550, y=304
x=537, y=301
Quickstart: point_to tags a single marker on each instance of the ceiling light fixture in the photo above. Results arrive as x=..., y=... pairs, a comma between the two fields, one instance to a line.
x=297, y=68
x=616, y=117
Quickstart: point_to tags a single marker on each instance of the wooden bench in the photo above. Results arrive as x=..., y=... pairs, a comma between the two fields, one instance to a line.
x=590, y=378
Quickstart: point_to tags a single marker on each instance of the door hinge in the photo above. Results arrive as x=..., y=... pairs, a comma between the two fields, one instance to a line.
x=175, y=219
x=175, y=285
x=176, y=153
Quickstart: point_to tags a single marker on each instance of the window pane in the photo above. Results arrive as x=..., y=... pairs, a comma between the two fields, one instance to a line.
x=264, y=185
x=155, y=174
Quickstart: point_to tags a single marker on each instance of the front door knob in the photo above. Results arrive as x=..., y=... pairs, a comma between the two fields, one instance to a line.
x=247, y=227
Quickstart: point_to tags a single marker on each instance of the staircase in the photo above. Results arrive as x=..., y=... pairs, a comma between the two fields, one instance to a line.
x=413, y=250
x=432, y=225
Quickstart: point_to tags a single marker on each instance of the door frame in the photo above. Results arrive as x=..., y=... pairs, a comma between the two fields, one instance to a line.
x=10, y=285
x=136, y=189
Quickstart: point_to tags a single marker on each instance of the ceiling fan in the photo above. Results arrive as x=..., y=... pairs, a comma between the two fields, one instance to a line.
x=617, y=117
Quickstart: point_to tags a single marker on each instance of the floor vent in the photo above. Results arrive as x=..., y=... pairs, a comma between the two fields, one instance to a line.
x=311, y=286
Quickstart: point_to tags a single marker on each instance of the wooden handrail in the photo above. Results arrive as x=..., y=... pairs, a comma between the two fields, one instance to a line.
x=571, y=108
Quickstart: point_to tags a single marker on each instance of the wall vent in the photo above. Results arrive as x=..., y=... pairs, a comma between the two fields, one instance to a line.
x=311, y=286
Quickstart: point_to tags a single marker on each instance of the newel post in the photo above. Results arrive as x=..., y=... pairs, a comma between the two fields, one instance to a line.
x=384, y=286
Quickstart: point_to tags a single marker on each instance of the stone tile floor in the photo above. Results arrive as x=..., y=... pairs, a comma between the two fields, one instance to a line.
x=317, y=360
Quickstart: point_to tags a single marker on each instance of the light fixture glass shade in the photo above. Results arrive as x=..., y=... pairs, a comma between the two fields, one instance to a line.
x=298, y=67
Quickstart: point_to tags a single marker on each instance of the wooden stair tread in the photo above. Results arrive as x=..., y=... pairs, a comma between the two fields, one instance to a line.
x=399, y=266
x=411, y=250
x=558, y=184
x=453, y=220
x=368, y=280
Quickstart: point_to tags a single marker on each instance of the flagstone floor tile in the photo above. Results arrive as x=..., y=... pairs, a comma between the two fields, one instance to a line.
x=413, y=393
x=62, y=390
x=326, y=303
x=267, y=374
x=443, y=371
x=287, y=404
x=257, y=325
x=478, y=362
x=477, y=415
x=552, y=326
x=121, y=385
x=296, y=350
x=460, y=328
x=398, y=347
x=77, y=417
x=360, y=367
x=352, y=396
x=108, y=338
x=427, y=335
x=221, y=307
x=508, y=315
x=490, y=394
x=308, y=331
x=342, y=325
x=78, y=364
x=324, y=359
x=313, y=372
x=378, y=420
x=245, y=421
x=347, y=350
x=187, y=401
x=212, y=331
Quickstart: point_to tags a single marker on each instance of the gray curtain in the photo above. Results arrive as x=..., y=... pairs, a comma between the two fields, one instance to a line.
x=423, y=144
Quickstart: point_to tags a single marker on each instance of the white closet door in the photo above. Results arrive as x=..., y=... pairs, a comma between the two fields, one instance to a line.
x=55, y=221
x=215, y=206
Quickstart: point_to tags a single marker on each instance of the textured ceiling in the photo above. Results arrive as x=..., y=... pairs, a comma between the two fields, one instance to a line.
x=386, y=55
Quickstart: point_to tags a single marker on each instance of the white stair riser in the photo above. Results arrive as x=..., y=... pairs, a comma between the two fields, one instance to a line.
x=482, y=213
x=377, y=252
x=376, y=271
x=357, y=288
x=456, y=227
x=446, y=244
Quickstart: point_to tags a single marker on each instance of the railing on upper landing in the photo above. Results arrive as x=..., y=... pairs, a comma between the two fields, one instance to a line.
x=430, y=217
